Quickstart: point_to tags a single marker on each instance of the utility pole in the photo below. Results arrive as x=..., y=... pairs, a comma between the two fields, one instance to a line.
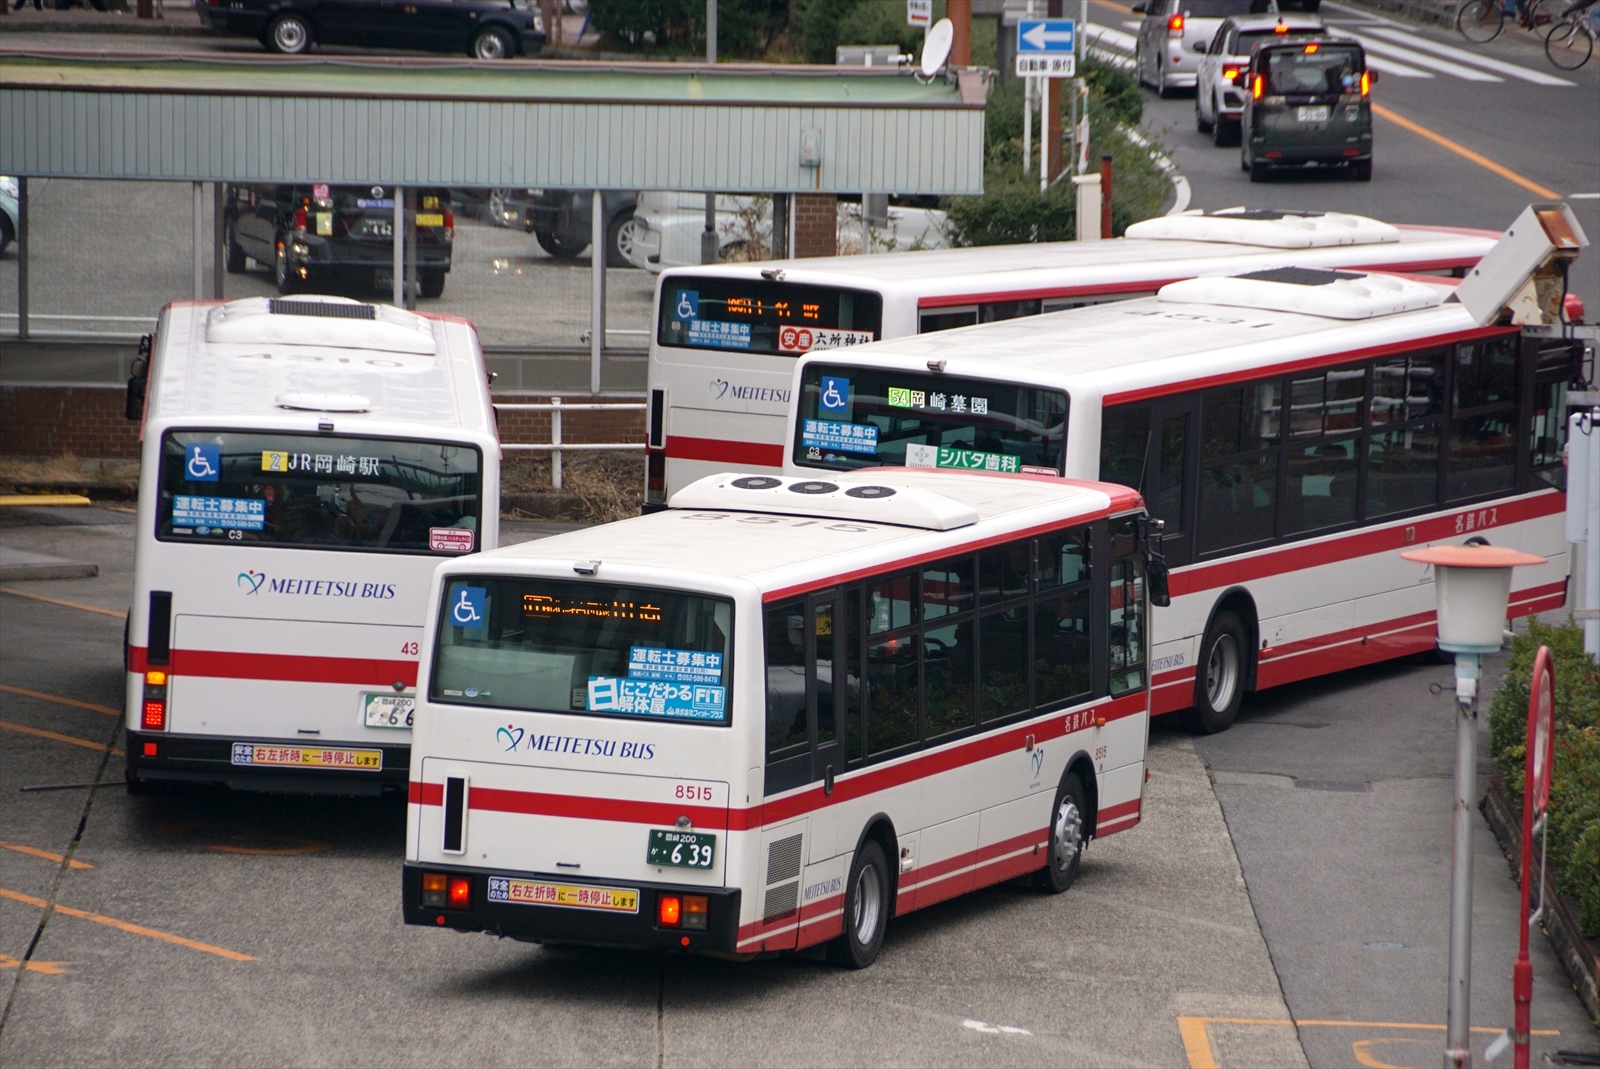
x=709, y=250
x=959, y=12
x=1052, y=115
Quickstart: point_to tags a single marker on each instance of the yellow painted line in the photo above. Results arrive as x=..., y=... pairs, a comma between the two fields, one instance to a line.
x=57, y=601
x=75, y=703
x=43, y=499
x=49, y=968
x=1197, y=1041
x=1465, y=153
x=136, y=929
x=34, y=851
x=7, y=725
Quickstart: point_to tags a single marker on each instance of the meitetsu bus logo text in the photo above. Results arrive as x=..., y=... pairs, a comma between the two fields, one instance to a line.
x=254, y=582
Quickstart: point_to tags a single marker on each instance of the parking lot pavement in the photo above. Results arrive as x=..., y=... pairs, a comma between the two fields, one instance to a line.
x=238, y=929
x=121, y=250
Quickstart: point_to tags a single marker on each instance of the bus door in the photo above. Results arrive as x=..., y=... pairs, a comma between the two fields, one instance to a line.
x=1153, y=447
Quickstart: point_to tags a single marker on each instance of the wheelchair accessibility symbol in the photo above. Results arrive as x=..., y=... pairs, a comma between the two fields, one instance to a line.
x=468, y=608
x=204, y=464
x=835, y=394
x=688, y=305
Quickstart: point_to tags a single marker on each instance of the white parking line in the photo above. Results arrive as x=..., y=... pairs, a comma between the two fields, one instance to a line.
x=1385, y=48
x=1487, y=62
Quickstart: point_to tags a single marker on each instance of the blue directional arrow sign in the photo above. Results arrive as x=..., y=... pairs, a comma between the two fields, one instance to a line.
x=1046, y=48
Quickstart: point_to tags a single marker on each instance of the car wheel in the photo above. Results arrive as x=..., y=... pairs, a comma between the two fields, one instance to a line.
x=432, y=283
x=1200, y=122
x=866, y=909
x=282, y=275
x=1068, y=824
x=1258, y=171
x=1161, y=77
x=1362, y=169
x=233, y=255
x=1219, y=687
x=560, y=249
x=1224, y=132
x=493, y=43
x=495, y=207
x=289, y=34
x=619, y=239
x=1138, y=64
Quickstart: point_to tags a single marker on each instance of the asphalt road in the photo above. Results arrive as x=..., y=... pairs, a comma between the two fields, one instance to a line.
x=205, y=928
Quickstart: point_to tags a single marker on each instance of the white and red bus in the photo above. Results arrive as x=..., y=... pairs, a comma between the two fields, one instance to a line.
x=726, y=337
x=1294, y=429
x=850, y=699
x=306, y=463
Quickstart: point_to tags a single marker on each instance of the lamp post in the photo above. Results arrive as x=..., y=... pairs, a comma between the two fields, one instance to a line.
x=1472, y=586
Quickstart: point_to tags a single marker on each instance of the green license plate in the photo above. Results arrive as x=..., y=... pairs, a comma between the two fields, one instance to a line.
x=684, y=849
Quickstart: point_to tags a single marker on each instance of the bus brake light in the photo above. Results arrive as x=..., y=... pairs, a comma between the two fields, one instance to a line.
x=155, y=715
x=669, y=911
x=460, y=893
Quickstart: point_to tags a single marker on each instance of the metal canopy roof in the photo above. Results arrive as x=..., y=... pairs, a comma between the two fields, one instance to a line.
x=574, y=125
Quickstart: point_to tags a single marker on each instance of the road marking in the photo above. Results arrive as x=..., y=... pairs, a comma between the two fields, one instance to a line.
x=75, y=703
x=1394, y=67
x=43, y=499
x=1197, y=1040
x=995, y=1029
x=1488, y=62
x=1465, y=153
x=57, y=601
x=34, y=851
x=136, y=929
x=7, y=725
x=1469, y=74
x=1583, y=196
x=50, y=968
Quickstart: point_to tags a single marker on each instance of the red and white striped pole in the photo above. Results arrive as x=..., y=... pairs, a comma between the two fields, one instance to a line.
x=1535, y=796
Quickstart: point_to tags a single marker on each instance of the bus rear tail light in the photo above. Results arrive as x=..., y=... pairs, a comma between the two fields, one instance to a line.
x=1175, y=26
x=460, y=892
x=669, y=911
x=435, y=889
x=695, y=910
x=153, y=716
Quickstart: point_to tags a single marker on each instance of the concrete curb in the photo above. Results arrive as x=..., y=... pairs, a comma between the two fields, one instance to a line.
x=18, y=564
x=1578, y=955
x=143, y=27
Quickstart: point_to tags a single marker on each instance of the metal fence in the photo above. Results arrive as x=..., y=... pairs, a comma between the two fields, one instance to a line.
x=556, y=447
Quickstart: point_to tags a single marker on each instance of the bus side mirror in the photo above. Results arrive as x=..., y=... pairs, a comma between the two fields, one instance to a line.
x=138, y=381
x=1160, y=595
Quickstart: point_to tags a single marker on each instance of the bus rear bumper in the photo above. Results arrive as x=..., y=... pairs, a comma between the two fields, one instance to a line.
x=637, y=930
x=154, y=757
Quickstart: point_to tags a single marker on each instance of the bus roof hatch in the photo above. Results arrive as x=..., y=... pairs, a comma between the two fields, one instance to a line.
x=1267, y=228
x=332, y=322
x=1309, y=291
x=879, y=501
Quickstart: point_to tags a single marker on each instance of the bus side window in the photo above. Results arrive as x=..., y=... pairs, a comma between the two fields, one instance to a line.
x=1126, y=638
x=1062, y=660
x=1124, y=445
x=786, y=677
x=849, y=647
x=946, y=319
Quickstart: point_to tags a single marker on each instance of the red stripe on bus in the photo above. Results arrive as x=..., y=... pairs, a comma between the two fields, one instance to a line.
x=1121, y=809
x=718, y=451
x=1288, y=367
x=284, y=667
x=1299, y=557
x=1112, y=829
x=539, y=803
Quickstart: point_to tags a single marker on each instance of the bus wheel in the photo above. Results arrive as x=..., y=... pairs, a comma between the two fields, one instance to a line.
x=1066, y=838
x=1219, y=688
x=866, y=909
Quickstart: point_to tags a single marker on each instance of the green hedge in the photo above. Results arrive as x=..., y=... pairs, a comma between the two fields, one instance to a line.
x=1575, y=778
x=1012, y=210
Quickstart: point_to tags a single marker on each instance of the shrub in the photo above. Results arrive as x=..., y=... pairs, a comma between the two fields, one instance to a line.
x=1575, y=774
x=745, y=28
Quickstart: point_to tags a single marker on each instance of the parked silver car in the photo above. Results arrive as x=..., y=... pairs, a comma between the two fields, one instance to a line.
x=1218, y=103
x=1164, y=55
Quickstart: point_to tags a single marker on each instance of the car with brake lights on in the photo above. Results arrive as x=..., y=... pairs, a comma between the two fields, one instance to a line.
x=1218, y=103
x=1165, y=56
x=1307, y=103
x=315, y=234
x=483, y=29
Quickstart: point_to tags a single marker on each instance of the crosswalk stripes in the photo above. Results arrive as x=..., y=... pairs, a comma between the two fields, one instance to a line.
x=1387, y=53
x=1537, y=77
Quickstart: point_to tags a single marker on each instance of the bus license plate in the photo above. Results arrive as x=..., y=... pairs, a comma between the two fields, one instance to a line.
x=1312, y=113
x=387, y=710
x=684, y=849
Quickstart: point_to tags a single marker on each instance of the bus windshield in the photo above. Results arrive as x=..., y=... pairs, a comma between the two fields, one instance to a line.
x=559, y=646
x=266, y=488
x=757, y=316
x=858, y=417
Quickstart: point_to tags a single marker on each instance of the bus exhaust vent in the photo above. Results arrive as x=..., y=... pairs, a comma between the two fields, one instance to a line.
x=1309, y=291
x=783, y=859
x=1267, y=228
x=781, y=900
x=327, y=309
x=902, y=506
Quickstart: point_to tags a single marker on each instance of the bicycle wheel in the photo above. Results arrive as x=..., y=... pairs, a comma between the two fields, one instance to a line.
x=1479, y=21
x=1569, y=42
x=1542, y=13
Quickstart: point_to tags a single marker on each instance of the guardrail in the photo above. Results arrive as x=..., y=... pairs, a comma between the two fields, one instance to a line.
x=556, y=447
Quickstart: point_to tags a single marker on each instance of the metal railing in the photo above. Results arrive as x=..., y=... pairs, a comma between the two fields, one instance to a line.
x=556, y=447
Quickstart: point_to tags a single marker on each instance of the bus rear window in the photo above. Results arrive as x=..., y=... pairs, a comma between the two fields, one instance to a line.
x=555, y=646
x=319, y=492
x=858, y=417
x=758, y=316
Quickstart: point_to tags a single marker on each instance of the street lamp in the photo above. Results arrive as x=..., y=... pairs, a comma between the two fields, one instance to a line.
x=1472, y=586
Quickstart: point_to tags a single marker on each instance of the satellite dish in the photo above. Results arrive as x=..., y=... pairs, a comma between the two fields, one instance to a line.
x=936, y=49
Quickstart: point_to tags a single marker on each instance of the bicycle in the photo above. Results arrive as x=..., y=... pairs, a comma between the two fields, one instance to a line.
x=1570, y=42
x=1480, y=21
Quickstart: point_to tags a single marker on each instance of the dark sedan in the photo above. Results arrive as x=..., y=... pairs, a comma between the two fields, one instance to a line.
x=484, y=29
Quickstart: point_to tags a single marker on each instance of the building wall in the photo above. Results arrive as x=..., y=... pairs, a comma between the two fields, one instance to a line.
x=816, y=224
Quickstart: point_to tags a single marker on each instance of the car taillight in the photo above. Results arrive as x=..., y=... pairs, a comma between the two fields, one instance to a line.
x=655, y=478
x=449, y=223
x=1257, y=85
x=1230, y=73
x=153, y=716
x=1366, y=83
x=300, y=221
x=1175, y=26
x=1281, y=27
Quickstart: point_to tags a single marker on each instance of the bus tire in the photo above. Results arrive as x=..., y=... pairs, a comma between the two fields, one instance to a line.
x=866, y=909
x=1068, y=826
x=1219, y=685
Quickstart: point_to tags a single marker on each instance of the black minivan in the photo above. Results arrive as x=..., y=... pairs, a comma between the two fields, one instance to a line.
x=311, y=234
x=1306, y=102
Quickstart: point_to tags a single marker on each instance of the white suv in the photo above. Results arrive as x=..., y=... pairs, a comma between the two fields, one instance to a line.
x=1218, y=103
x=1165, y=56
